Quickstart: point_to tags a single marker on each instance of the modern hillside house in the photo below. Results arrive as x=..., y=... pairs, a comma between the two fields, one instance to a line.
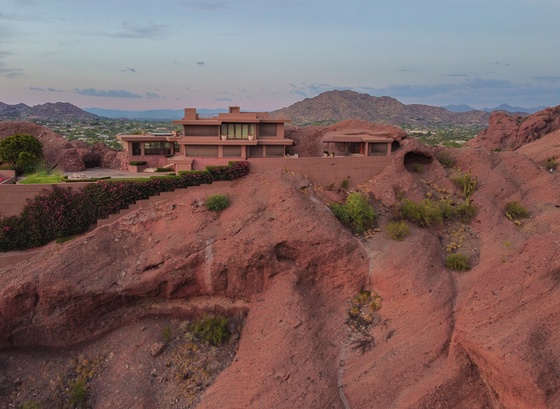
x=234, y=135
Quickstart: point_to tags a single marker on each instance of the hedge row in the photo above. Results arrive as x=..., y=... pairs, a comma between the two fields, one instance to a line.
x=62, y=212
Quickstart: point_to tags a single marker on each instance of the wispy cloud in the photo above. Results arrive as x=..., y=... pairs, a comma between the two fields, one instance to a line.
x=8, y=71
x=110, y=93
x=311, y=90
x=200, y=63
x=48, y=89
x=207, y=6
x=128, y=69
x=132, y=30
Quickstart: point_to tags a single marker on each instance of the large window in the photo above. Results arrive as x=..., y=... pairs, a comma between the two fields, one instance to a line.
x=157, y=148
x=238, y=131
x=201, y=130
x=231, y=151
x=267, y=130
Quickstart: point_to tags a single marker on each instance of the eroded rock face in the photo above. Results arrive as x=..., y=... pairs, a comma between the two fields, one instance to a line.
x=59, y=153
x=486, y=338
x=507, y=131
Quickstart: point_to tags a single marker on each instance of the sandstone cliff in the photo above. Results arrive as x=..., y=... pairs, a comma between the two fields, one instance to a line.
x=507, y=131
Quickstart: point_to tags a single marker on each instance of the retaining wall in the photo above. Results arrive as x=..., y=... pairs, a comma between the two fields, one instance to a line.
x=324, y=171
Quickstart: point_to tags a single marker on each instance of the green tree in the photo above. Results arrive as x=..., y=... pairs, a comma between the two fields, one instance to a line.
x=21, y=151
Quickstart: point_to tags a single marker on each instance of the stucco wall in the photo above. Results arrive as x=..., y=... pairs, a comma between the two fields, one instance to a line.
x=327, y=171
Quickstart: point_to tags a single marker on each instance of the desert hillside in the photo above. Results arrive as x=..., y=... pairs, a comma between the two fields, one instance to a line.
x=335, y=106
x=113, y=307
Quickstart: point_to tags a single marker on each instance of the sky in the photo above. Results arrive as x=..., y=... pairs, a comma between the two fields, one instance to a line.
x=266, y=55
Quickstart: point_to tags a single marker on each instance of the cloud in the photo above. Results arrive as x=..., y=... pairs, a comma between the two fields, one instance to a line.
x=312, y=90
x=223, y=99
x=48, y=89
x=200, y=63
x=8, y=71
x=547, y=78
x=206, y=6
x=111, y=93
x=128, y=69
x=131, y=30
x=152, y=95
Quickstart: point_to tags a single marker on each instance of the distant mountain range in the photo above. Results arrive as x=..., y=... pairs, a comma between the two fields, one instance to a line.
x=328, y=107
x=503, y=107
x=57, y=110
x=335, y=106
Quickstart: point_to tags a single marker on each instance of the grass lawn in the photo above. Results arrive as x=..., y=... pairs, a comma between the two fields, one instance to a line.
x=36, y=178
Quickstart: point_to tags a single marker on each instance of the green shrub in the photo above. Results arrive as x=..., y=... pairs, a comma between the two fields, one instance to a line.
x=425, y=213
x=212, y=330
x=457, y=262
x=217, y=202
x=417, y=167
x=430, y=213
x=355, y=213
x=445, y=158
x=467, y=184
x=78, y=394
x=397, y=229
x=345, y=184
x=138, y=163
x=31, y=404
x=166, y=333
x=515, y=211
x=551, y=164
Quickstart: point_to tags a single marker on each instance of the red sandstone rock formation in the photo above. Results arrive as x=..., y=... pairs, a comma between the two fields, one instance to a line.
x=59, y=153
x=486, y=338
x=506, y=131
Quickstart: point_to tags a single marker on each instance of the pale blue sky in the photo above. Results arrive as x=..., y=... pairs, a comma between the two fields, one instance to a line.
x=265, y=55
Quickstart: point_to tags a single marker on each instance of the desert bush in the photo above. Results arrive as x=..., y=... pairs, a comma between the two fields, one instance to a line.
x=466, y=183
x=212, y=330
x=166, y=333
x=138, y=163
x=425, y=213
x=31, y=404
x=445, y=158
x=397, y=229
x=430, y=213
x=217, y=202
x=551, y=164
x=417, y=167
x=515, y=211
x=345, y=184
x=457, y=262
x=355, y=213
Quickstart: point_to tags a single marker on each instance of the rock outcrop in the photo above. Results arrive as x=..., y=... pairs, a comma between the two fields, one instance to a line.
x=486, y=338
x=509, y=132
x=61, y=154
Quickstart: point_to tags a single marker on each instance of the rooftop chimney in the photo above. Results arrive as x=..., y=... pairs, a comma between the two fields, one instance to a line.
x=234, y=110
